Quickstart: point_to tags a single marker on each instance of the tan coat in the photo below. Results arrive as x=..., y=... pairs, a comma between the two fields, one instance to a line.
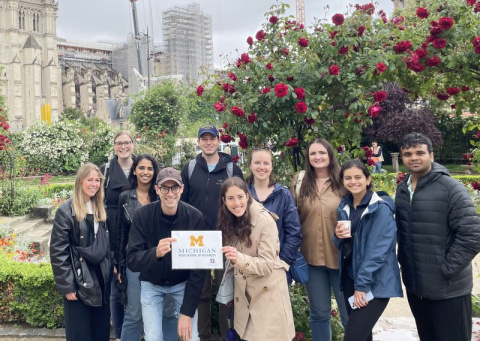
x=318, y=220
x=262, y=302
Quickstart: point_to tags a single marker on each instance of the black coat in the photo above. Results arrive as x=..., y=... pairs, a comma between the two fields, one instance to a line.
x=115, y=183
x=67, y=231
x=438, y=236
x=148, y=228
x=202, y=190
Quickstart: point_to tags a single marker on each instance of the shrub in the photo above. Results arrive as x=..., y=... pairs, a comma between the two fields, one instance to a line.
x=28, y=294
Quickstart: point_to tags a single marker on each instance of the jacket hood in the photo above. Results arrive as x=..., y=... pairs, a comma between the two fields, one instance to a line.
x=223, y=160
x=378, y=198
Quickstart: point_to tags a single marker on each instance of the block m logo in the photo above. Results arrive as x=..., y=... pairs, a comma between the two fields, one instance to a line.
x=196, y=241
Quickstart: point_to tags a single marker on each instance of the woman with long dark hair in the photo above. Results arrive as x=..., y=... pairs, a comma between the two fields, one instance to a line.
x=262, y=306
x=368, y=262
x=277, y=199
x=317, y=191
x=142, y=178
x=116, y=173
x=80, y=259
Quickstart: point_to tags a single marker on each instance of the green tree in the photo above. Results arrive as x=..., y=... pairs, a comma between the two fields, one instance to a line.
x=73, y=114
x=160, y=108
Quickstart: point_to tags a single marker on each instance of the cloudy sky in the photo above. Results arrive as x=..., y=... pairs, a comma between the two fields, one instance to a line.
x=233, y=20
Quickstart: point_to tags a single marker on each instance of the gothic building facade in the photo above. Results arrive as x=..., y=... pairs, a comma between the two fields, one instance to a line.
x=39, y=68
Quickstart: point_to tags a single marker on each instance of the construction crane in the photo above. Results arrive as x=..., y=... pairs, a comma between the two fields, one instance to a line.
x=300, y=11
x=138, y=39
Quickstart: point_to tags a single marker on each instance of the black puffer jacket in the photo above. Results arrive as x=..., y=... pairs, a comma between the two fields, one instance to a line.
x=202, y=189
x=438, y=236
x=67, y=231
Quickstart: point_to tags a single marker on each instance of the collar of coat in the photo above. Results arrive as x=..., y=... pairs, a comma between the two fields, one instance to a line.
x=256, y=209
x=378, y=198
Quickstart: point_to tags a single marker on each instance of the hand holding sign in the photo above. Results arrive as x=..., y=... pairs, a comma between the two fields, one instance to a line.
x=230, y=253
x=164, y=246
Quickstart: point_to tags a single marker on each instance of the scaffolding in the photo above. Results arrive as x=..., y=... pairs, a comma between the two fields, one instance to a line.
x=188, y=43
x=300, y=11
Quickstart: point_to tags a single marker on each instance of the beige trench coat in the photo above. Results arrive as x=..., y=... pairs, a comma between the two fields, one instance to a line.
x=262, y=302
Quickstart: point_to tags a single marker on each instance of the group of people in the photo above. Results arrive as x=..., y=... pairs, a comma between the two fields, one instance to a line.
x=111, y=245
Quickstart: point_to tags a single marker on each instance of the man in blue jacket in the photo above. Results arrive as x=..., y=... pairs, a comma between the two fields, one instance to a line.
x=202, y=178
x=438, y=236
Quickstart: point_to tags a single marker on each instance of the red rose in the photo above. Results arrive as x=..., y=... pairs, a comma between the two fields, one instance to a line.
x=333, y=43
x=465, y=88
x=476, y=41
x=422, y=13
x=245, y=58
x=250, y=41
x=269, y=66
x=413, y=64
x=477, y=49
x=439, y=43
x=260, y=35
x=442, y=96
x=435, y=31
x=477, y=7
x=200, y=90
x=293, y=142
x=380, y=96
x=446, y=23
x=421, y=53
x=374, y=110
x=225, y=125
x=360, y=30
x=471, y=2
x=334, y=70
x=402, y=46
x=285, y=51
x=237, y=111
x=273, y=19
x=342, y=50
x=281, y=90
x=252, y=117
x=290, y=78
x=381, y=67
x=453, y=91
x=232, y=76
x=219, y=106
x=303, y=42
x=433, y=61
x=235, y=158
x=226, y=138
x=265, y=90
x=309, y=121
x=333, y=34
x=338, y=19
x=300, y=92
x=243, y=144
x=301, y=107
x=271, y=78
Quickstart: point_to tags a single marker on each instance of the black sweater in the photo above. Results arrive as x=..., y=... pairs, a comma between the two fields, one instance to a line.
x=147, y=229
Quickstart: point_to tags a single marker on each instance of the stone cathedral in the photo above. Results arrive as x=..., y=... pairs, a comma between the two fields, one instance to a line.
x=39, y=68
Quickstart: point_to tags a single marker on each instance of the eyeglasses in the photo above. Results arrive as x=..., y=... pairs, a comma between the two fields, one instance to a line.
x=120, y=144
x=174, y=189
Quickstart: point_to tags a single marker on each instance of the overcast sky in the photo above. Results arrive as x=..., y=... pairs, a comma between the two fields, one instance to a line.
x=233, y=20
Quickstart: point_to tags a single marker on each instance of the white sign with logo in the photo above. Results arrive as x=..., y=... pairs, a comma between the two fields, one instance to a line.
x=197, y=250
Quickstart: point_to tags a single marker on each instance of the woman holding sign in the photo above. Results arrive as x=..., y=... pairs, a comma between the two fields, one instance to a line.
x=261, y=300
x=366, y=235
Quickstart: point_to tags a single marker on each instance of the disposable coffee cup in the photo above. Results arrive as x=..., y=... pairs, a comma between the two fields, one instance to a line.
x=348, y=225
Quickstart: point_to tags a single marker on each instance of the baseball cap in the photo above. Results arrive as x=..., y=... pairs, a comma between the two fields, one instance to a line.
x=207, y=128
x=167, y=174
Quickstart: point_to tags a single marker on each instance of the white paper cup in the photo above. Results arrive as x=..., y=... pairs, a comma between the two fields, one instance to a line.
x=346, y=224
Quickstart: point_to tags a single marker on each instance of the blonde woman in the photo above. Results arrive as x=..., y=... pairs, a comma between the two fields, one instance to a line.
x=80, y=259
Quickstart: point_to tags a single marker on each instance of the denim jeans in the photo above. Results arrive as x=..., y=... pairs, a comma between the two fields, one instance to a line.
x=152, y=298
x=132, y=328
x=116, y=309
x=320, y=283
x=378, y=168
